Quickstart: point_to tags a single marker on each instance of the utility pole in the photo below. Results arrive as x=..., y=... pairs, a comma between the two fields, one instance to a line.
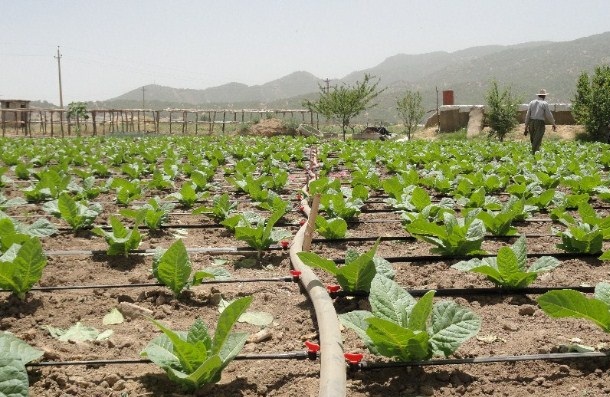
x=142, y=97
x=61, y=97
x=327, y=81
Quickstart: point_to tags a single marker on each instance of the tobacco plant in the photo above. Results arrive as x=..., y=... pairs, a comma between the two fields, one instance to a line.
x=220, y=210
x=462, y=236
x=402, y=328
x=193, y=359
x=357, y=273
x=120, y=239
x=21, y=263
x=173, y=268
x=152, y=214
x=79, y=215
x=262, y=235
x=509, y=269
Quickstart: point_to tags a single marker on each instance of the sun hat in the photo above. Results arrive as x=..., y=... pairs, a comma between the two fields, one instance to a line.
x=542, y=92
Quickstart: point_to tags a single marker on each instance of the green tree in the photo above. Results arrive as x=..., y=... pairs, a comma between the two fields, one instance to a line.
x=501, y=111
x=410, y=110
x=77, y=110
x=345, y=102
x=591, y=105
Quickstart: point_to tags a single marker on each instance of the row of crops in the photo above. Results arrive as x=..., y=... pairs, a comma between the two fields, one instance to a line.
x=166, y=221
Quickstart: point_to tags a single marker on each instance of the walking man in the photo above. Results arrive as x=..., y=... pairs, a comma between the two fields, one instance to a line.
x=538, y=113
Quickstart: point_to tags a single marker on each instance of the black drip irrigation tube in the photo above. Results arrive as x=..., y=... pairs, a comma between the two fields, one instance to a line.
x=363, y=365
x=202, y=250
x=465, y=292
x=299, y=355
x=411, y=238
x=442, y=258
x=150, y=285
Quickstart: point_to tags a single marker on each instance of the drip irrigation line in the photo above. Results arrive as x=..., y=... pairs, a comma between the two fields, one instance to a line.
x=364, y=365
x=410, y=238
x=172, y=226
x=203, y=250
x=359, y=221
x=240, y=357
x=439, y=258
x=495, y=291
x=148, y=285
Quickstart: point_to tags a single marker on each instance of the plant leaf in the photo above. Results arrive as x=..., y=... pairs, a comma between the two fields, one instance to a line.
x=173, y=268
x=114, y=317
x=570, y=303
x=451, y=325
x=227, y=319
x=420, y=312
x=390, y=301
x=392, y=340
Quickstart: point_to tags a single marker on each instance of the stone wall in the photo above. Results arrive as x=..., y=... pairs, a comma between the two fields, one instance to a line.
x=455, y=117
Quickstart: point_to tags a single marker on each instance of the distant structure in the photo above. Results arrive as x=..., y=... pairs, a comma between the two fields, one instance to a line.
x=14, y=118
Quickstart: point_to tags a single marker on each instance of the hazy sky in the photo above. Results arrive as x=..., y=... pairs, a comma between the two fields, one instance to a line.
x=112, y=46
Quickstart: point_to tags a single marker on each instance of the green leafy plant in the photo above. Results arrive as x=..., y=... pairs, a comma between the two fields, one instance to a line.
x=126, y=191
x=21, y=265
x=400, y=327
x=160, y=181
x=357, y=273
x=509, y=269
x=173, y=268
x=339, y=206
x=152, y=214
x=582, y=238
x=261, y=235
x=187, y=196
x=570, y=303
x=22, y=171
x=220, y=210
x=455, y=236
x=500, y=223
x=77, y=214
x=194, y=359
x=14, y=355
x=10, y=227
x=333, y=228
x=120, y=239
x=50, y=184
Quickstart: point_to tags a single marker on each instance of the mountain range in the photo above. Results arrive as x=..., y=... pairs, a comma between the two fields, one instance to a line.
x=525, y=68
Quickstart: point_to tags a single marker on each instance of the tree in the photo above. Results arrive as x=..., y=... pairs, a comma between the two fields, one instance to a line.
x=410, y=110
x=345, y=102
x=78, y=110
x=501, y=111
x=591, y=105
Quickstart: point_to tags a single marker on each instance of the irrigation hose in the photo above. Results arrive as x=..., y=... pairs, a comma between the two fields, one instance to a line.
x=333, y=373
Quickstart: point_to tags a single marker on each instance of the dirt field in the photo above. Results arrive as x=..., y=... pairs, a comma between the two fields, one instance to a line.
x=512, y=325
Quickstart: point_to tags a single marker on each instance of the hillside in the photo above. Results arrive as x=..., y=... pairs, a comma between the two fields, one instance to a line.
x=525, y=67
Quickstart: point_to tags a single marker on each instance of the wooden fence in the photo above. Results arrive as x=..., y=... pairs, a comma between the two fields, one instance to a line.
x=59, y=122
